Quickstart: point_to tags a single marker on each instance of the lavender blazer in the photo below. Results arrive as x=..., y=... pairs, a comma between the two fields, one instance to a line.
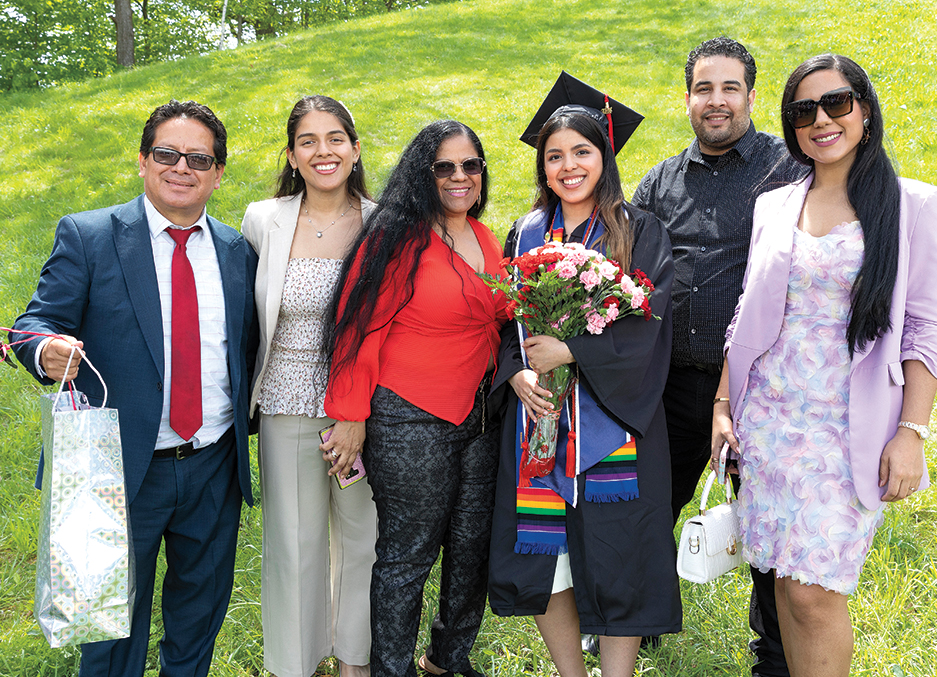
x=875, y=375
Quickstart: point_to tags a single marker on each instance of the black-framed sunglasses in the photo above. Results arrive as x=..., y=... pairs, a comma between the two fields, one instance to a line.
x=836, y=103
x=472, y=166
x=168, y=156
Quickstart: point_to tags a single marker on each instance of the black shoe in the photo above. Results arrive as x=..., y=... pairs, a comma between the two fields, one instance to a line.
x=590, y=644
x=652, y=642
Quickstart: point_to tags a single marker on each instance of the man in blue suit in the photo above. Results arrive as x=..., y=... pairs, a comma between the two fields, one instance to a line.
x=159, y=296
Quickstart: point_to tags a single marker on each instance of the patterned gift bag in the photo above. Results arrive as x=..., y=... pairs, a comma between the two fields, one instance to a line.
x=84, y=568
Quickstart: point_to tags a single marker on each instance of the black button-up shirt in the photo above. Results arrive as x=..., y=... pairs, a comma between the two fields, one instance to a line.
x=707, y=209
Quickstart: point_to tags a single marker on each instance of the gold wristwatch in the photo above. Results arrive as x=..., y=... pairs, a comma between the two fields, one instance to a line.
x=922, y=430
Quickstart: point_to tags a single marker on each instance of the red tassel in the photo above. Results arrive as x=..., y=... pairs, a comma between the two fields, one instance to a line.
x=524, y=470
x=571, y=455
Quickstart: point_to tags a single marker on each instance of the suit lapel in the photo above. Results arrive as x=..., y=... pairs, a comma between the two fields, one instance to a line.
x=233, y=284
x=135, y=253
x=281, y=241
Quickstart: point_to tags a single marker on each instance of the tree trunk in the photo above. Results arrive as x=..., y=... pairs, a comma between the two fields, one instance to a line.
x=124, y=20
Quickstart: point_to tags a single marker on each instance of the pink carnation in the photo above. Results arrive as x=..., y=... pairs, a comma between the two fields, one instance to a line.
x=559, y=322
x=589, y=279
x=577, y=256
x=611, y=313
x=566, y=269
x=637, y=298
x=595, y=323
x=608, y=270
x=627, y=284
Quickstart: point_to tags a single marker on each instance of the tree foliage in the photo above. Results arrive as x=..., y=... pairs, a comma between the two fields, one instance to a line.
x=47, y=42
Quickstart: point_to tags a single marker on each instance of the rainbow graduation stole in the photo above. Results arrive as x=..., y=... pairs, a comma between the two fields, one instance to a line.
x=609, y=475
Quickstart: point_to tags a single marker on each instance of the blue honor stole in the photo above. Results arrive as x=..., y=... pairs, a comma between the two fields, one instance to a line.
x=604, y=450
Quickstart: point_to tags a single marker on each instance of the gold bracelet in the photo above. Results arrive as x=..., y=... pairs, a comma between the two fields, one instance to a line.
x=720, y=399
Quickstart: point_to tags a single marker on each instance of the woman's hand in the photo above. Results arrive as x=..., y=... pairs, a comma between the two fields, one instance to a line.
x=531, y=395
x=343, y=446
x=545, y=353
x=722, y=433
x=722, y=421
x=902, y=465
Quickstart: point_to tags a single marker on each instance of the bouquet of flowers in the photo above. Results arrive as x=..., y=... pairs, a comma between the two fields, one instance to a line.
x=564, y=290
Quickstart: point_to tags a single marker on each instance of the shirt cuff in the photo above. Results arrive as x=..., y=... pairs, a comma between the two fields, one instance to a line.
x=39, y=370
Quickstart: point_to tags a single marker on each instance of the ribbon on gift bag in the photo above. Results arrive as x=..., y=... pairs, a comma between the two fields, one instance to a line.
x=84, y=569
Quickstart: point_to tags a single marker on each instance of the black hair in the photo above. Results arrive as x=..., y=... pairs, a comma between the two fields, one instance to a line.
x=873, y=191
x=722, y=46
x=399, y=229
x=291, y=182
x=618, y=237
x=187, y=109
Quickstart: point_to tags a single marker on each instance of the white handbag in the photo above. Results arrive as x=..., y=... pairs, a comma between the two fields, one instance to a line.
x=709, y=543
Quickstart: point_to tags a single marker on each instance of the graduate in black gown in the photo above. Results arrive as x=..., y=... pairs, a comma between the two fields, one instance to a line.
x=614, y=573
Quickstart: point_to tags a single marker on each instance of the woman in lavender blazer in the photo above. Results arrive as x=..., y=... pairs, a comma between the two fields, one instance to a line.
x=831, y=359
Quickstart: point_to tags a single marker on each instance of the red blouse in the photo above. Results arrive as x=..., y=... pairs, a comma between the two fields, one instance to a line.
x=435, y=351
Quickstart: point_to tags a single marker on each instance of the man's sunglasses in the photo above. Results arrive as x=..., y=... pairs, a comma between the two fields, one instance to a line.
x=168, y=156
x=837, y=103
x=445, y=168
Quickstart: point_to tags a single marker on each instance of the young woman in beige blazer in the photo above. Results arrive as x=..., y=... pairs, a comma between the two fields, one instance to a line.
x=318, y=542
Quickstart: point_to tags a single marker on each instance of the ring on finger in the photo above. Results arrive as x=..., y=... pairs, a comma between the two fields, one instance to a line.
x=334, y=455
x=913, y=489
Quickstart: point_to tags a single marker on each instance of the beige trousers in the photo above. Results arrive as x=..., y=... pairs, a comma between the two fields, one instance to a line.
x=318, y=548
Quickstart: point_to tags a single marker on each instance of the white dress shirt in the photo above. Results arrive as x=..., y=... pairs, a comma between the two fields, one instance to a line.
x=217, y=405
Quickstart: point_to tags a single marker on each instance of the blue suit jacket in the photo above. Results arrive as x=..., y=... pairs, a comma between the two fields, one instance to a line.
x=99, y=285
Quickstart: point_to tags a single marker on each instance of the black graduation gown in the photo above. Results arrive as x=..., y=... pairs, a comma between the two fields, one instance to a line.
x=622, y=554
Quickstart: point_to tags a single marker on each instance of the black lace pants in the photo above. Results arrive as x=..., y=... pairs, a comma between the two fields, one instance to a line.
x=433, y=485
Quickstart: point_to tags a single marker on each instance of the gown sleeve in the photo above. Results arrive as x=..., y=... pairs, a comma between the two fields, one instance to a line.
x=626, y=366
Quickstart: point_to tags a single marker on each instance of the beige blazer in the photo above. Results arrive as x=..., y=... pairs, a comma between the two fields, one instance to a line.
x=269, y=226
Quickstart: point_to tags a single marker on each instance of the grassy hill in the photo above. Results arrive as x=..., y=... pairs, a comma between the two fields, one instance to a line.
x=486, y=63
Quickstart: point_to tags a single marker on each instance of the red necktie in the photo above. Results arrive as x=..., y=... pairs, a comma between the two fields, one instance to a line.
x=185, y=395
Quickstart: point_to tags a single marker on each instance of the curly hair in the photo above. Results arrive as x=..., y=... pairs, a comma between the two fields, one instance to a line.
x=873, y=191
x=400, y=228
x=722, y=46
x=290, y=182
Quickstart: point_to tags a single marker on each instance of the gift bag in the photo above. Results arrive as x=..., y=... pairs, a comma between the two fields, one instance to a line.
x=84, y=568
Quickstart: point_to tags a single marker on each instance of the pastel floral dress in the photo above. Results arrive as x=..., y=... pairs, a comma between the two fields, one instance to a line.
x=798, y=506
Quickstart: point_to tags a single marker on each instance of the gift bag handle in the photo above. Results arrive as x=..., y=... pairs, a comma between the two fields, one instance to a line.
x=712, y=479
x=68, y=365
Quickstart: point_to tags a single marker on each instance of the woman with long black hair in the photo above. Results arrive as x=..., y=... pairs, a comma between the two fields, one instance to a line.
x=318, y=540
x=415, y=339
x=592, y=553
x=831, y=359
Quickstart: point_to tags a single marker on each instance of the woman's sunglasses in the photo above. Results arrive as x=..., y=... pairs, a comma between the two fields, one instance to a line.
x=837, y=103
x=446, y=168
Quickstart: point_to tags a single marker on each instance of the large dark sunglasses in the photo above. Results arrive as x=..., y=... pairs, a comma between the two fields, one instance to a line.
x=837, y=103
x=443, y=169
x=168, y=156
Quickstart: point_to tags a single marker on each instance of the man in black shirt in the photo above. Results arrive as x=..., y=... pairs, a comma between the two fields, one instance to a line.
x=705, y=196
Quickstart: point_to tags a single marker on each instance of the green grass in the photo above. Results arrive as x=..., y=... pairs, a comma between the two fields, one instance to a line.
x=487, y=63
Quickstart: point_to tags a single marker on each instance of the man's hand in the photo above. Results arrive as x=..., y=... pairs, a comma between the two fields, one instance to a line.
x=54, y=358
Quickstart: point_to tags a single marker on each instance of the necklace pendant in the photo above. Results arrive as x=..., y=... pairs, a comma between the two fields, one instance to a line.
x=318, y=233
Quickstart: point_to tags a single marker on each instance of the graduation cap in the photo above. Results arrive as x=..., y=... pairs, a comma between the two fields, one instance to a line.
x=570, y=95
